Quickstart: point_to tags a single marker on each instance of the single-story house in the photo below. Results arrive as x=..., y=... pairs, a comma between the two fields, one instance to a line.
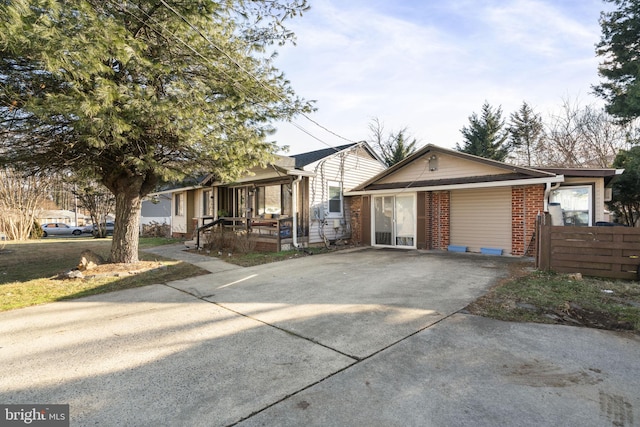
x=294, y=201
x=443, y=199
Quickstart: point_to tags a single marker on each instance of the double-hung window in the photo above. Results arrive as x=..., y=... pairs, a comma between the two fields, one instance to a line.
x=335, y=198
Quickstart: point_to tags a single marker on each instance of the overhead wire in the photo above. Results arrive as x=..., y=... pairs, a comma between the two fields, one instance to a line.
x=151, y=22
x=250, y=74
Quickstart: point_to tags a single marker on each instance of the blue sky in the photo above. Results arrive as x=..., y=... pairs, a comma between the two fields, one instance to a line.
x=429, y=64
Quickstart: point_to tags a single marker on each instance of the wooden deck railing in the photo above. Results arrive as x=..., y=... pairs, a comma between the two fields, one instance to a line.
x=278, y=229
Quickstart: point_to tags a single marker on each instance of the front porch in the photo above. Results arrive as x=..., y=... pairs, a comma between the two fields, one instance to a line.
x=242, y=234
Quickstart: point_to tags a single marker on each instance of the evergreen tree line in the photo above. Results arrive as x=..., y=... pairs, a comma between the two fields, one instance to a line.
x=575, y=137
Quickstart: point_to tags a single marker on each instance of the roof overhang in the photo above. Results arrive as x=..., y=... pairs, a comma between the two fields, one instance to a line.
x=468, y=185
x=298, y=172
x=174, y=190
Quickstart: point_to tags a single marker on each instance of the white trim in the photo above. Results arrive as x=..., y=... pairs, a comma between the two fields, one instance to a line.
x=530, y=181
x=590, y=191
x=414, y=197
x=300, y=172
x=175, y=190
x=339, y=185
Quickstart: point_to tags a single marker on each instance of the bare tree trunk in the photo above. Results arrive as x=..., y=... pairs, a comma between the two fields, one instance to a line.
x=124, y=248
x=129, y=194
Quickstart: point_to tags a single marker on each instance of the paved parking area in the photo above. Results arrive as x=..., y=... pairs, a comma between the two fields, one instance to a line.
x=367, y=337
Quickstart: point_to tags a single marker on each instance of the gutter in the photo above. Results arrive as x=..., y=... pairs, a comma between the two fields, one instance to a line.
x=545, y=180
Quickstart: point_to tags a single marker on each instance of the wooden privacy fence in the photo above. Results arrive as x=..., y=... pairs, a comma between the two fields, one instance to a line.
x=612, y=252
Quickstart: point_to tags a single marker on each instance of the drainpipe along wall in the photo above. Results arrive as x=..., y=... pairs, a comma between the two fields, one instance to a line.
x=547, y=192
x=294, y=209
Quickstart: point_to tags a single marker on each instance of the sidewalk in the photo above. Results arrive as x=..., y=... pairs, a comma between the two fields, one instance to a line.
x=179, y=252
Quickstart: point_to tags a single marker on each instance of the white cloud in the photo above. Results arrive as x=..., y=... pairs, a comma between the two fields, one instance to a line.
x=429, y=66
x=537, y=27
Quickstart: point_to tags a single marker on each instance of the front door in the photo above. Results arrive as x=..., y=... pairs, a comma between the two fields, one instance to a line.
x=394, y=221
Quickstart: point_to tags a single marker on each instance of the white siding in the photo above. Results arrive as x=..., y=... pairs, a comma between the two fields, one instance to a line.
x=448, y=167
x=481, y=218
x=352, y=168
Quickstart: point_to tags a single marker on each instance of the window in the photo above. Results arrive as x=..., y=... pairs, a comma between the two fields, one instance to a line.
x=269, y=200
x=575, y=203
x=335, y=198
x=206, y=202
x=177, y=200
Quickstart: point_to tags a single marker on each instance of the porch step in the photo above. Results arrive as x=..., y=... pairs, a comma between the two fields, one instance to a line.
x=190, y=244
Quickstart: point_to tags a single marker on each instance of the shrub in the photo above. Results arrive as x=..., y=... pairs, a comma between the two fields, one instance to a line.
x=155, y=229
x=36, y=231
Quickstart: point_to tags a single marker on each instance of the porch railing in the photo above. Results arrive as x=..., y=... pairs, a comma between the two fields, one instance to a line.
x=270, y=228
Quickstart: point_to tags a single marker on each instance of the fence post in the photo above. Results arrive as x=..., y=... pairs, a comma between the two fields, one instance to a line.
x=543, y=260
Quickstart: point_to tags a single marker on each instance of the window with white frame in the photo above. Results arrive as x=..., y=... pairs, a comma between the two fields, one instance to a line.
x=335, y=198
x=575, y=202
x=206, y=202
x=177, y=204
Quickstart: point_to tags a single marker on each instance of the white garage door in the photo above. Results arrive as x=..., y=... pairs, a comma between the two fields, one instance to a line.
x=481, y=218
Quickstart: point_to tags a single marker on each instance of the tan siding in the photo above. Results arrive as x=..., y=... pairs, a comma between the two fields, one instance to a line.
x=352, y=168
x=481, y=218
x=179, y=222
x=448, y=167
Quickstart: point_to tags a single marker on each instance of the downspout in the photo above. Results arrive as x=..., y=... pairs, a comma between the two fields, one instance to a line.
x=547, y=191
x=294, y=209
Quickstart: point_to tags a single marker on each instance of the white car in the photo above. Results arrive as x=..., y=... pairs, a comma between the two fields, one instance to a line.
x=60, y=229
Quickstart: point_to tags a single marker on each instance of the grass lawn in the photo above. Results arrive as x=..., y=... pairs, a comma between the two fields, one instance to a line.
x=559, y=298
x=28, y=270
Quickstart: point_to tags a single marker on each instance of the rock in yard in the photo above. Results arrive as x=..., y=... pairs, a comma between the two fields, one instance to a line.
x=71, y=274
x=89, y=260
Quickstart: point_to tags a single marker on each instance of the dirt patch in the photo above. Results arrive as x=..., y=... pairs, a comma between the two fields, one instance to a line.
x=115, y=270
x=576, y=315
x=527, y=295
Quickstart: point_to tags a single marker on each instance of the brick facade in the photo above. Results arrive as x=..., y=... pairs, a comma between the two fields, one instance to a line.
x=434, y=219
x=354, y=206
x=526, y=203
x=438, y=219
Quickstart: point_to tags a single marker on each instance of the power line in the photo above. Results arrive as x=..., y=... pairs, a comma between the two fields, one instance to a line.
x=241, y=68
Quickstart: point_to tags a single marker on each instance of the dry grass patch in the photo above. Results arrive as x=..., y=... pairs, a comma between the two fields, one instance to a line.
x=533, y=296
x=28, y=271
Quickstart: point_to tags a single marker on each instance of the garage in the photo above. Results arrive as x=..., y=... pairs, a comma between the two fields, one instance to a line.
x=481, y=218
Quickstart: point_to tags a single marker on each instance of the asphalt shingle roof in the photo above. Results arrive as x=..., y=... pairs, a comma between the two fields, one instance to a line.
x=313, y=156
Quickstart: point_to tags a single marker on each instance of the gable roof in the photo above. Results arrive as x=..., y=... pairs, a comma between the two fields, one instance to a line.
x=284, y=164
x=514, y=172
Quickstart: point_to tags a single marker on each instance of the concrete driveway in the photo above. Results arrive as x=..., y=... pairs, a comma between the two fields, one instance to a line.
x=367, y=337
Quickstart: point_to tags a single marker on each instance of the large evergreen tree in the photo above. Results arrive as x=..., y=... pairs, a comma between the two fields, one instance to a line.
x=138, y=92
x=485, y=136
x=620, y=49
x=625, y=202
x=526, y=132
